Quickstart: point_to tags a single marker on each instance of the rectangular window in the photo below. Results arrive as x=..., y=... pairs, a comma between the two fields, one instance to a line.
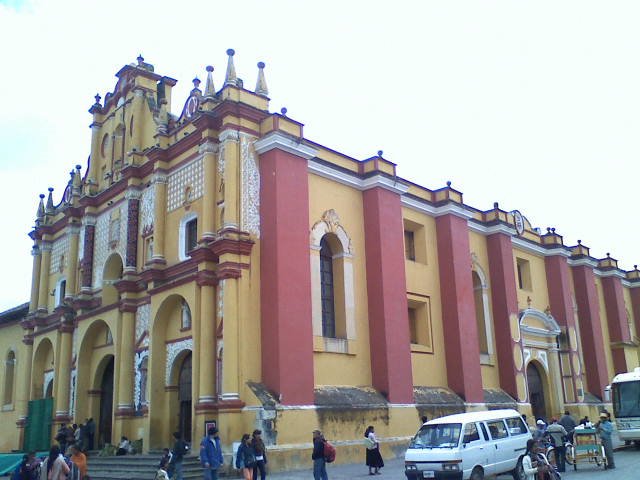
x=419, y=322
x=191, y=235
x=524, y=274
x=497, y=429
x=409, y=246
x=516, y=426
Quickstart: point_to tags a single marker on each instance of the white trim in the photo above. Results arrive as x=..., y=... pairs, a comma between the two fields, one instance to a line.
x=490, y=230
x=182, y=235
x=433, y=211
x=353, y=181
x=586, y=261
x=529, y=247
x=384, y=182
x=59, y=298
x=610, y=273
x=284, y=143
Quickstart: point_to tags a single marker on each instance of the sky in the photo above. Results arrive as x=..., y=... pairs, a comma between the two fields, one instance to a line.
x=533, y=104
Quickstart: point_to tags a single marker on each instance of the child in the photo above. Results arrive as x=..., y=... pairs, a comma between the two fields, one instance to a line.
x=165, y=462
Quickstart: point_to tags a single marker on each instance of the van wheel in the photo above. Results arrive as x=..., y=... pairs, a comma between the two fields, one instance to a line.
x=477, y=474
x=518, y=472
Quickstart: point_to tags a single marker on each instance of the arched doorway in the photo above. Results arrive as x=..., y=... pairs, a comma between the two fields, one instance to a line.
x=106, y=404
x=184, y=398
x=536, y=391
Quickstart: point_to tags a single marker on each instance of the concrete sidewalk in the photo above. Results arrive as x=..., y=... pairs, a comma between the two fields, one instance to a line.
x=394, y=468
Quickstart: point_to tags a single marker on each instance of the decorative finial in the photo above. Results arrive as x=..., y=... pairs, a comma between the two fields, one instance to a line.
x=548, y=229
x=50, y=208
x=209, y=89
x=635, y=267
x=448, y=183
x=608, y=255
x=496, y=205
x=230, y=77
x=40, y=211
x=97, y=98
x=380, y=152
x=553, y=230
x=579, y=242
x=261, y=84
x=196, y=82
x=140, y=60
x=283, y=111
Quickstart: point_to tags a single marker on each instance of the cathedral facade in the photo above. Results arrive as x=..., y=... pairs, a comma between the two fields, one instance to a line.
x=217, y=266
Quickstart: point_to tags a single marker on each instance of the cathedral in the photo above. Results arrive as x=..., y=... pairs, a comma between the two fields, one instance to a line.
x=215, y=265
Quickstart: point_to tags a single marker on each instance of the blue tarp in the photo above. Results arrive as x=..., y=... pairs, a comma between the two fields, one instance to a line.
x=9, y=461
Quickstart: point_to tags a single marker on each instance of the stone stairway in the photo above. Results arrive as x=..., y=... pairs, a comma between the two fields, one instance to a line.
x=137, y=467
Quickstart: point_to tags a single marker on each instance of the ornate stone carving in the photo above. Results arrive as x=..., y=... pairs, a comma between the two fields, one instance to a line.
x=188, y=178
x=250, y=214
x=72, y=393
x=109, y=230
x=140, y=382
x=59, y=254
x=173, y=350
x=147, y=206
x=143, y=315
x=330, y=223
x=208, y=147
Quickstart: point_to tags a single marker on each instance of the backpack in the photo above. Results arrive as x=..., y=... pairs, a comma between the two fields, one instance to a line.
x=329, y=452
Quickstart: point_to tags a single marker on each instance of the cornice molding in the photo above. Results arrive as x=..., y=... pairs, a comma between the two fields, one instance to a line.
x=287, y=144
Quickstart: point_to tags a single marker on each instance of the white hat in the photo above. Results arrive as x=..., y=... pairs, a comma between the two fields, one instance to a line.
x=540, y=422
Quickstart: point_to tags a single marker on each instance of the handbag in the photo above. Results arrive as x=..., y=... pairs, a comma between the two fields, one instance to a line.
x=370, y=444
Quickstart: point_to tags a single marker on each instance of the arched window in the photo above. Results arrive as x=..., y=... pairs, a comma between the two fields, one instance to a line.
x=326, y=287
x=61, y=290
x=9, y=368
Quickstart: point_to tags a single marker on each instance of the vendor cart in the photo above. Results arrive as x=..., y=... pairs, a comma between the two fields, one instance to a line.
x=586, y=447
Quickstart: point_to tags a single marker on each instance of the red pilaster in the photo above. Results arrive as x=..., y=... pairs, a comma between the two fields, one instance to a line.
x=387, y=295
x=458, y=308
x=616, y=320
x=285, y=284
x=590, y=329
x=635, y=306
x=504, y=301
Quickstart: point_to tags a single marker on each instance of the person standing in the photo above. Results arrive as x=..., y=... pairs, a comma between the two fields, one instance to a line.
x=211, y=454
x=245, y=457
x=374, y=459
x=319, y=463
x=558, y=434
x=261, y=455
x=569, y=424
x=56, y=467
x=79, y=459
x=604, y=429
x=61, y=438
x=179, y=449
x=540, y=431
x=91, y=433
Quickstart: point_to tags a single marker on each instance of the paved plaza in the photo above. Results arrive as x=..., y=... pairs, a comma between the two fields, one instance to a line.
x=627, y=468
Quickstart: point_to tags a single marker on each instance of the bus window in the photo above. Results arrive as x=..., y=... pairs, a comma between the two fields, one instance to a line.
x=626, y=399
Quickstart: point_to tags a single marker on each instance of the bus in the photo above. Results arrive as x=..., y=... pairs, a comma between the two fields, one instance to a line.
x=625, y=388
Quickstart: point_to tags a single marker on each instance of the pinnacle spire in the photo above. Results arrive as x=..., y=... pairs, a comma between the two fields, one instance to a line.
x=40, y=211
x=230, y=77
x=50, y=208
x=261, y=84
x=209, y=89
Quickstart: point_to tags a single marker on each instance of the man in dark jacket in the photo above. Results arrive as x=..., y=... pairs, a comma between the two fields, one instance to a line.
x=180, y=447
x=319, y=463
x=211, y=454
x=569, y=424
x=261, y=455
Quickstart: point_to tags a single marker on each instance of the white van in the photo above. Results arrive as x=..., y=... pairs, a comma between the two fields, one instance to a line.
x=469, y=446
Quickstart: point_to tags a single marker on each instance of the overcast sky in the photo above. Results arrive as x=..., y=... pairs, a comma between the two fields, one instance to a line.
x=534, y=104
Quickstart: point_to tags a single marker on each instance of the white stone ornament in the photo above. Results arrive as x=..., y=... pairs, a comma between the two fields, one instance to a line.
x=250, y=214
x=173, y=350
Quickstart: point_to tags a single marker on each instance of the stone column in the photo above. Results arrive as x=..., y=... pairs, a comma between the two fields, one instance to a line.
x=89, y=222
x=126, y=352
x=94, y=159
x=504, y=301
x=35, y=279
x=209, y=207
x=72, y=274
x=133, y=213
x=138, y=124
x=458, y=308
x=619, y=334
x=389, y=336
x=23, y=394
x=285, y=286
x=160, y=210
x=593, y=348
x=62, y=383
x=229, y=166
x=45, y=265
x=207, y=346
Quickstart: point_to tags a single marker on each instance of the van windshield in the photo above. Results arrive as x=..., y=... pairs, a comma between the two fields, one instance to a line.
x=443, y=435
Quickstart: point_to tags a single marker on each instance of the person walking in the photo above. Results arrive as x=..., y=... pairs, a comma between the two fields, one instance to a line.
x=569, y=423
x=319, y=463
x=604, y=428
x=558, y=435
x=246, y=457
x=261, y=455
x=211, y=454
x=530, y=464
x=55, y=467
x=180, y=447
x=373, y=458
x=90, y=429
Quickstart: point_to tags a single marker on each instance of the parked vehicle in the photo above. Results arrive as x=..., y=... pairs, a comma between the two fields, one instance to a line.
x=626, y=405
x=469, y=446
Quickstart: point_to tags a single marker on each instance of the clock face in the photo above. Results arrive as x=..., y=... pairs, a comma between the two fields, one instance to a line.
x=192, y=106
x=518, y=220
